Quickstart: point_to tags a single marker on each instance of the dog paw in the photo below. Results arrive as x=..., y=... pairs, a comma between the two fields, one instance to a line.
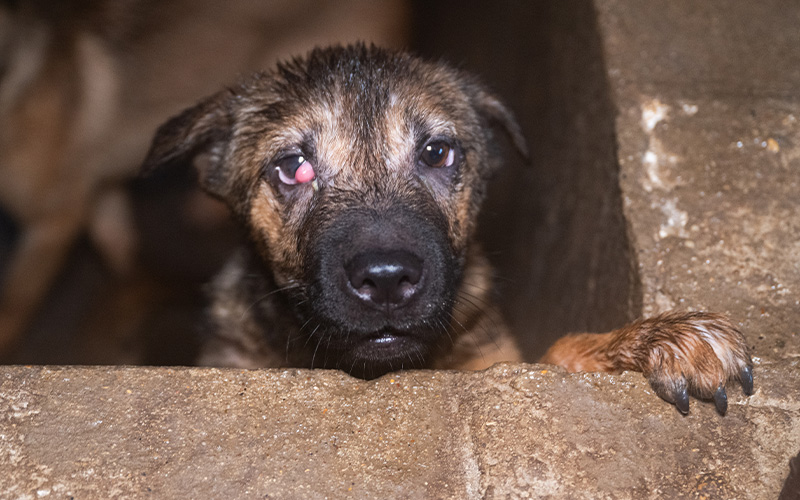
x=696, y=354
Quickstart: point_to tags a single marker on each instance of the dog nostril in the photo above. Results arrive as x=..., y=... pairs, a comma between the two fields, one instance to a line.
x=366, y=287
x=385, y=278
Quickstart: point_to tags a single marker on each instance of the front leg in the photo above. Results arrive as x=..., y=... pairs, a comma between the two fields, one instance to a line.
x=679, y=353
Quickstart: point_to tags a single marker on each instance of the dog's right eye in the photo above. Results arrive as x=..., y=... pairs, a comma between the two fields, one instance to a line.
x=295, y=169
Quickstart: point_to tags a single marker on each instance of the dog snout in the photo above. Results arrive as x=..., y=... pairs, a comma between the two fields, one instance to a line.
x=376, y=271
x=385, y=279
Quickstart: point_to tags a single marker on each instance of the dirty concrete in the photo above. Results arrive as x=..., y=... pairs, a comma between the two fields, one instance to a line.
x=515, y=431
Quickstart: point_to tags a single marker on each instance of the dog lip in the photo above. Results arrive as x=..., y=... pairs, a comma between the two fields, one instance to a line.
x=389, y=339
x=384, y=338
x=387, y=345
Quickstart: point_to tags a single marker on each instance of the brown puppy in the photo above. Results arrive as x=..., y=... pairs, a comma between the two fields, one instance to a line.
x=359, y=173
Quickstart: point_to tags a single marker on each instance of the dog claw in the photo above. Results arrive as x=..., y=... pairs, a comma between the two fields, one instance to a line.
x=746, y=376
x=682, y=400
x=721, y=400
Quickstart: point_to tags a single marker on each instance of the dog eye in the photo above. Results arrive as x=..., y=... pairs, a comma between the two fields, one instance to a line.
x=295, y=170
x=437, y=154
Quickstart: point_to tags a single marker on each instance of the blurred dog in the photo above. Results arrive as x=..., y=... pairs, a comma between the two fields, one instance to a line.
x=84, y=82
x=358, y=174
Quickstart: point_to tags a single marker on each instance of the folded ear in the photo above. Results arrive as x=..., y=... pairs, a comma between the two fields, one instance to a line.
x=199, y=134
x=498, y=114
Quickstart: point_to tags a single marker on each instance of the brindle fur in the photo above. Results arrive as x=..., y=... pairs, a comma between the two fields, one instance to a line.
x=363, y=115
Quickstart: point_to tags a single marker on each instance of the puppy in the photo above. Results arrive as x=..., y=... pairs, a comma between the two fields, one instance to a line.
x=358, y=174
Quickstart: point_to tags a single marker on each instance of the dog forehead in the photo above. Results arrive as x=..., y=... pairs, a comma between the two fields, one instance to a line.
x=393, y=124
x=372, y=103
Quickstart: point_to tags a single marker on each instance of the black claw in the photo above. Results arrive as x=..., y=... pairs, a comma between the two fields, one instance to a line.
x=721, y=400
x=682, y=400
x=746, y=376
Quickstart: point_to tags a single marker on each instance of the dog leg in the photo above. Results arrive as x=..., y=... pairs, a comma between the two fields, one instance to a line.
x=679, y=353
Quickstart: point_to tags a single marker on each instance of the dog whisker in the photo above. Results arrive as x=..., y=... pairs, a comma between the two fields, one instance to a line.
x=446, y=329
x=487, y=330
x=439, y=326
x=327, y=348
x=472, y=299
x=420, y=357
x=470, y=333
x=291, y=338
x=314, y=356
x=482, y=288
x=310, y=335
x=488, y=312
x=454, y=319
x=265, y=296
x=304, y=325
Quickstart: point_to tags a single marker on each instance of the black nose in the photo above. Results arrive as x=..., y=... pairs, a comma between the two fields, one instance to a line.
x=385, y=278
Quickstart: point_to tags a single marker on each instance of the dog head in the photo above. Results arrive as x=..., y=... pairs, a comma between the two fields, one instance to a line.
x=358, y=173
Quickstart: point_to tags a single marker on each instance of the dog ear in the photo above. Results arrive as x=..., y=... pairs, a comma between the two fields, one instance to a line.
x=199, y=134
x=498, y=114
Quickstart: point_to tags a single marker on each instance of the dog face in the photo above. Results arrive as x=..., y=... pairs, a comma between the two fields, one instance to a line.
x=358, y=174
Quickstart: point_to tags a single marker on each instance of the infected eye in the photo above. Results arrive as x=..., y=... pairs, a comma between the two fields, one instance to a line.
x=438, y=154
x=295, y=170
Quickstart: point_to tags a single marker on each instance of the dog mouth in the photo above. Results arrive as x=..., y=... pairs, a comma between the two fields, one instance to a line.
x=385, y=351
x=383, y=339
x=385, y=342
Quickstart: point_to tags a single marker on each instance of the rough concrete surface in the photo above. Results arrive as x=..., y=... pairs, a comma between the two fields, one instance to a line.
x=523, y=431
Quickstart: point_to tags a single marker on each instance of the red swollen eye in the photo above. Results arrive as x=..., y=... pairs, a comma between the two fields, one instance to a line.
x=295, y=170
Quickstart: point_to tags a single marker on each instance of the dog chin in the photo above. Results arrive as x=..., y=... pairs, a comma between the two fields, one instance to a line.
x=375, y=355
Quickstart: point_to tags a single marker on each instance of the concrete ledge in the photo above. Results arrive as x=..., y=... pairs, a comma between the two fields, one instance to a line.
x=513, y=431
